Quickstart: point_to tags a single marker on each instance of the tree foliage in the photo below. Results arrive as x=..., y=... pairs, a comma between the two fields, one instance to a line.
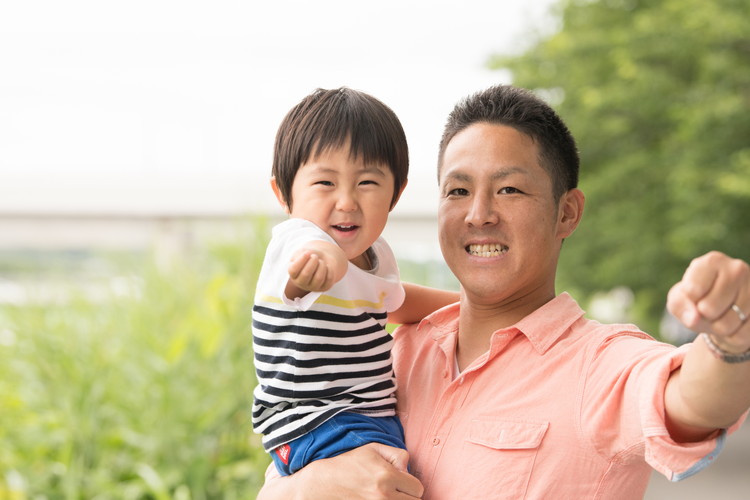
x=657, y=94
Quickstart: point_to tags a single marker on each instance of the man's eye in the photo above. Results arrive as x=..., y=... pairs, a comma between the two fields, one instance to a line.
x=509, y=190
x=458, y=192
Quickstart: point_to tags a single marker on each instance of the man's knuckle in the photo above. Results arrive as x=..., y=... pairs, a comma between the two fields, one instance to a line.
x=739, y=269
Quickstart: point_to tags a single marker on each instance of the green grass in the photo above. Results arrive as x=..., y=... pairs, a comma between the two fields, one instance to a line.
x=140, y=387
x=138, y=395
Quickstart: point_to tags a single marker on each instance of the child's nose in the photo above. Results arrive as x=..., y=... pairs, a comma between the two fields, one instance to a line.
x=347, y=202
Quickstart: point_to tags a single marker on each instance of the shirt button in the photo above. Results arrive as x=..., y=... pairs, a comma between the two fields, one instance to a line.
x=436, y=441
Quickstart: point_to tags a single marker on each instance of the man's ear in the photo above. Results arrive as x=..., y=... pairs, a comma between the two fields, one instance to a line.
x=398, y=197
x=570, y=212
x=279, y=196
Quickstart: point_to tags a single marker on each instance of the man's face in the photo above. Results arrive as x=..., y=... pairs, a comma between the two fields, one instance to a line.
x=498, y=221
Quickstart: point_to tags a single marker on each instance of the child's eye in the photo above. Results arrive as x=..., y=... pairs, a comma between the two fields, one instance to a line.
x=324, y=183
x=368, y=182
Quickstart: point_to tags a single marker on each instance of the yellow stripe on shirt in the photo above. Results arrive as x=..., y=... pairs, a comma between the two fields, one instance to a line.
x=273, y=300
x=351, y=304
x=337, y=302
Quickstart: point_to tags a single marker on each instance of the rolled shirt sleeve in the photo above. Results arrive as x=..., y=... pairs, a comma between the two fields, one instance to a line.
x=627, y=412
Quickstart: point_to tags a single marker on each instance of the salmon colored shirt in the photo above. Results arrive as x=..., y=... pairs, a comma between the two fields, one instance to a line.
x=559, y=407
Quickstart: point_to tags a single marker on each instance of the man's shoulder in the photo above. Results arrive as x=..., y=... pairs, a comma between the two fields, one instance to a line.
x=611, y=330
x=442, y=322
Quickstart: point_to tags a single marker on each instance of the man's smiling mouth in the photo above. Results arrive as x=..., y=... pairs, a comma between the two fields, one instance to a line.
x=493, y=250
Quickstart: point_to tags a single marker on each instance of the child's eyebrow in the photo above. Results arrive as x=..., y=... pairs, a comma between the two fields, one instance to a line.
x=374, y=169
x=366, y=169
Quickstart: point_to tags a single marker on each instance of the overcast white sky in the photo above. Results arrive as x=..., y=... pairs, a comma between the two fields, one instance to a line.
x=172, y=105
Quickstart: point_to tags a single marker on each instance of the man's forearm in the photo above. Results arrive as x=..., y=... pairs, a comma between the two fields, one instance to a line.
x=706, y=393
x=709, y=391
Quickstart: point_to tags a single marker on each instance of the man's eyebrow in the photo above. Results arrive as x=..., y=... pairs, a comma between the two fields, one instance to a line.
x=458, y=176
x=508, y=171
x=497, y=175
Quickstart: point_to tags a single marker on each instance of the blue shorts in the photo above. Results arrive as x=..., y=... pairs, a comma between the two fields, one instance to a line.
x=343, y=432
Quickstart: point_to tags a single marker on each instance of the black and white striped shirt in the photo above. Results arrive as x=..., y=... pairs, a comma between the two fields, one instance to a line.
x=326, y=352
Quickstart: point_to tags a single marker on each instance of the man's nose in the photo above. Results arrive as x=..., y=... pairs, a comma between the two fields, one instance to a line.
x=482, y=211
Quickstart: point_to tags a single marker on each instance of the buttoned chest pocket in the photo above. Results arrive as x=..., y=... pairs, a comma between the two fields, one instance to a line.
x=500, y=456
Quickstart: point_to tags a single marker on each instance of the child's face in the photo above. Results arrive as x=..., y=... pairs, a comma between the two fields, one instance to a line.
x=348, y=199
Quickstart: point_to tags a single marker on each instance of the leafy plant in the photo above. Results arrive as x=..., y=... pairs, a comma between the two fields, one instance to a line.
x=141, y=390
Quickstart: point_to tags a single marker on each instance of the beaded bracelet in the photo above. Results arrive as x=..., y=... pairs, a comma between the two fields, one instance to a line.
x=727, y=357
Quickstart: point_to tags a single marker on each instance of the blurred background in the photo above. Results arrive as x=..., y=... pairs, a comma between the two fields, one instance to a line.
x=135, y=151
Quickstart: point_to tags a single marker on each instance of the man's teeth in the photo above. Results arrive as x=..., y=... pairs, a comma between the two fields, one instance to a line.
x=487, y=250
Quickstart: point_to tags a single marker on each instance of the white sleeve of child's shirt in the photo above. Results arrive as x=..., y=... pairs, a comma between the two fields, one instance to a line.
x=387, y=269
x=287, y=238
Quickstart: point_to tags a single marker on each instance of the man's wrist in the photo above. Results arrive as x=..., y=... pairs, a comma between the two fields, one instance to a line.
x=723, y=354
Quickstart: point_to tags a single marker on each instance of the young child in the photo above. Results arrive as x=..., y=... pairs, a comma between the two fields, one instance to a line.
x=329, y=283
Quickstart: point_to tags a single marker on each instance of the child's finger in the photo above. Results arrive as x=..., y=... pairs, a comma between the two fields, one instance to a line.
x=320, y=278
x=297, y=263
x=304, y=278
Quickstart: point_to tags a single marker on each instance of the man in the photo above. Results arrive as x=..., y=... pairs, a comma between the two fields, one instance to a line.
x=512, y=393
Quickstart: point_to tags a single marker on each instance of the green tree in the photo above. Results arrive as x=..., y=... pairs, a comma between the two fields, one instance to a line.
x=657, y=93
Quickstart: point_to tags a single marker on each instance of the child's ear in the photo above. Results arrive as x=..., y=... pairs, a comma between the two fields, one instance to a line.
x=278, y=194
x=401, y=191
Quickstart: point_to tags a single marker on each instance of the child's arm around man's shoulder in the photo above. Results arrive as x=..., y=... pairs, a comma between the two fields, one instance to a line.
x=421, y=301
x=315, y=268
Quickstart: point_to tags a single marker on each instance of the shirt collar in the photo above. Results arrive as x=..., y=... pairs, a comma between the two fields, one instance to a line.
x=547, y=324
x=542, y=327
x=444, y=321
